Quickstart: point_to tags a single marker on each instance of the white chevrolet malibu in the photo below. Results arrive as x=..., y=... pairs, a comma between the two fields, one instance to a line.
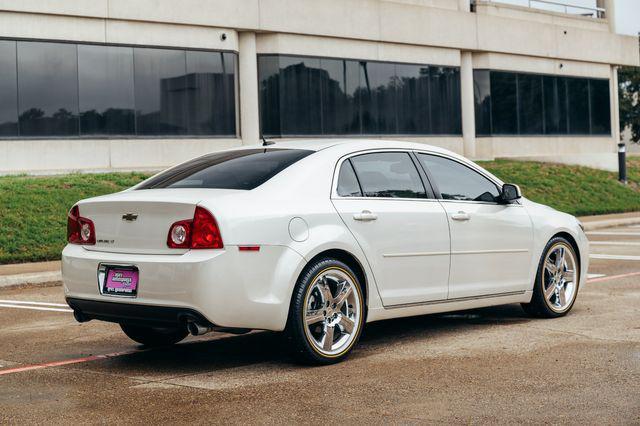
x=315, y=239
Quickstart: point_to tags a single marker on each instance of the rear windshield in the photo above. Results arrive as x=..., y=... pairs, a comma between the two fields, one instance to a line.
x=241, y=169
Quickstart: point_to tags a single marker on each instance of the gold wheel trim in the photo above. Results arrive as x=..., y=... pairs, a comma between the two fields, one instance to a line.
x=332, y=312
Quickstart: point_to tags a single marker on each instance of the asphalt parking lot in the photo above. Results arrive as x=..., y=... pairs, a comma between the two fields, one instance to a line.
x=482, y=366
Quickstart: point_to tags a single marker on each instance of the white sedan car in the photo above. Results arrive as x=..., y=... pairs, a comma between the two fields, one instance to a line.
x=315, y=239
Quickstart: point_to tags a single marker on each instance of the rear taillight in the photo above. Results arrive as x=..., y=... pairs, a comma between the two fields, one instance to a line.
x=201, y=232
x=80, y=230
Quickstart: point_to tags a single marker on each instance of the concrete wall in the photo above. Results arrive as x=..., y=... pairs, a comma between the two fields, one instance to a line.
x=432, y=23
x=45, y=156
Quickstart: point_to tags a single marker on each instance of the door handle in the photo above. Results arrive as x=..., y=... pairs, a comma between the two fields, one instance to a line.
x=461, y=216
x=365, y=216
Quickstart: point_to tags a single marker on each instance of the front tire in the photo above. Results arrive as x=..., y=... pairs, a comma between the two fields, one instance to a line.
x=154, y=336
x=326, y=314
x=556, y=286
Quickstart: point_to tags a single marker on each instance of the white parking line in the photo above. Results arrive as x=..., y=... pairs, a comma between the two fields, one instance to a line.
x=34, y=308
x=622, y=234
x=25, y=302
x=613, y=243
x=592, y=276
x=613, y=257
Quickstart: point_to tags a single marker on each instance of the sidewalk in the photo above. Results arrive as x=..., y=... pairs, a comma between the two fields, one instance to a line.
x=607, y=220
x=29, y=273
x=49, y=272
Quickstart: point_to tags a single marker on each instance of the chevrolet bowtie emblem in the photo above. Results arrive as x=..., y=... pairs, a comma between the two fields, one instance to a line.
x=129, y=217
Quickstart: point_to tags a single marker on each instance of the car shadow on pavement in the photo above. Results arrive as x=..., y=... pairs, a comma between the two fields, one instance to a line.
x=220, y=352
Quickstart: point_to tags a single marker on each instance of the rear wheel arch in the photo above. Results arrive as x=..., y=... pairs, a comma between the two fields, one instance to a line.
x=352, y=262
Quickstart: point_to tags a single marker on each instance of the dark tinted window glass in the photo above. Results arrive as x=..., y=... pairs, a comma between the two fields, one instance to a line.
x=530, y=104
x=555, y=105
x=269, y=87
x=354, y=113
x=105, y=81
x=377, y=98
x=458, y=182
x=600, y=107
x=388, y=174
x=48, y=89
x=337, y=102
x=311, y=96
x=445, y=101
x=300, y=95
x=210, y=94
x=412, y=89
x=541, y=104
x=241, y=169
x=578, y=89
x=8, y=89
x=482, y=97
x=347, y=182
x=504, y=108
x=161, y=90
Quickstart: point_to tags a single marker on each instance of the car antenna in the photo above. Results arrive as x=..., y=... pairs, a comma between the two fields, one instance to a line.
x=266, y=142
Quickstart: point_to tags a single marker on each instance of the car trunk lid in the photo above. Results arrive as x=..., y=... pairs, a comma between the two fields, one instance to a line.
x=138, y=221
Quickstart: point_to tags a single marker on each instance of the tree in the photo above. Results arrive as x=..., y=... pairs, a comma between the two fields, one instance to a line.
x=629, y=93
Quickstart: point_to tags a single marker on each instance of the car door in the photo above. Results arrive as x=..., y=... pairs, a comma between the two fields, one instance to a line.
x=491, y=242
x=402, y=229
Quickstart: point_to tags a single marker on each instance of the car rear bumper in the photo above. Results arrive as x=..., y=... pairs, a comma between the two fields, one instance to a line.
x=135, y=313
x=227, y=287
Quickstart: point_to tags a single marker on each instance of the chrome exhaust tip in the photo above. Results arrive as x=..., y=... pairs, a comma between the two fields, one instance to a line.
x=196, y=329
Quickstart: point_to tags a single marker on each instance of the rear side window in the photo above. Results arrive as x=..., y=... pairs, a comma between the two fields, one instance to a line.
x=389, y=175
x=458, y=182
x=242, y=169
x=348, y=185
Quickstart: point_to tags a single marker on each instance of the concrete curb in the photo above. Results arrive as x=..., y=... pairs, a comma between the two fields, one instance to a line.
x=8, y=281
x=599, y=224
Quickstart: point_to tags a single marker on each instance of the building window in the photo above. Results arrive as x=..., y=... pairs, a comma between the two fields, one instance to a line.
x=510, y=103
x=301, y=96
x=8, y=89
x=47, y=89
x=84, y=90
x=105, y=83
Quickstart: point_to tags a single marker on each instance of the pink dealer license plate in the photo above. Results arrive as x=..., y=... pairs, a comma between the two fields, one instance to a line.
x=123, y=282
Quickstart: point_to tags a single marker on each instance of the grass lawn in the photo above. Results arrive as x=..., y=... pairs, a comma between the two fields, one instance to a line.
x=33, y=210
x=577, y=190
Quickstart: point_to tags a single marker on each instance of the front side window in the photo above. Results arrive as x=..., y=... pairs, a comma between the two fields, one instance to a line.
x=240, y=169
x=388, y=175
x=458, y=182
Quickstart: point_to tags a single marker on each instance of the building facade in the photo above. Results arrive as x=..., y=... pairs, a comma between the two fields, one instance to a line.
x=145, y=84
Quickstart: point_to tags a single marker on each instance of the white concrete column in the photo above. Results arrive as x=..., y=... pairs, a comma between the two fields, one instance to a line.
x=248, y=81
x=468, y=105
x=615, y=107
x=464, y=5
x=610, y=14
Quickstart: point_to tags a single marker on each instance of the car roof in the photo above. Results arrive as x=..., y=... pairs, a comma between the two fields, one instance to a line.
x=352, y=145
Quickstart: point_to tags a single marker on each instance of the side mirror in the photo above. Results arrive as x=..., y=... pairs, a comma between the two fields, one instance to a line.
x=510, y=192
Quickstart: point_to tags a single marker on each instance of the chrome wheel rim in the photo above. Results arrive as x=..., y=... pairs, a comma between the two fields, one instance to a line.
x=332, y=312
x=560, y=277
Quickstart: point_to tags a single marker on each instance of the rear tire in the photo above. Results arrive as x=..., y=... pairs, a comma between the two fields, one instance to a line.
x=154, y=336
x=327, y=313
x=556, y=287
